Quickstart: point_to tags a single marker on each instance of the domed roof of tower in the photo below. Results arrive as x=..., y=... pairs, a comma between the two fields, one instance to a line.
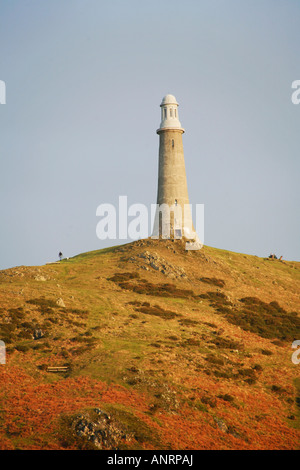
x=169, y=99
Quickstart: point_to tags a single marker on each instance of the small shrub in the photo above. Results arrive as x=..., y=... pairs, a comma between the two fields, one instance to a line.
x=156, y=310
x=226, y=397
x=226, y=343
x=121, y=277
x=248, y=375
x=27, y=324
x=211, y=325
x=87, y=333
x=7, y=332
x=278, y=389
x=213, y=281
x=277, y=342
x=97, y=328
x=200, y=406
x=83, y=339
x=52, y=319
x=16, y=314
x=79, y=351
x=43, y=303
x=214, y=359
x=191, y=342
x=250, y=381
x=208, y=400
x=188, y=322
x=25, y=334
x=222, y=374
x=64, y=353
x=214, y=296
x=266, y=352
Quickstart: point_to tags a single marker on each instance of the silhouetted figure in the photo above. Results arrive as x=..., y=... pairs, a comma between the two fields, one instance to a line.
x=60, y=255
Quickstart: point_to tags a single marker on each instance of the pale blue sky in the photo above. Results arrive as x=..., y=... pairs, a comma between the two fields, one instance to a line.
x=85, y=79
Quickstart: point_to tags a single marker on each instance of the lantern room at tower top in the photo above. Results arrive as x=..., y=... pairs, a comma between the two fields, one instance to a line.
x=169, y=114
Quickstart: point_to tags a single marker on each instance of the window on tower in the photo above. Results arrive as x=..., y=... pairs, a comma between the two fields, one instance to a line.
x=172, y=142
x=165, y=111
x=171, y=112
x=175, y=112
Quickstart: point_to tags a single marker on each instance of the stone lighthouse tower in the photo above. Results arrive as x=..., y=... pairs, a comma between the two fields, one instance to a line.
x=173, y=217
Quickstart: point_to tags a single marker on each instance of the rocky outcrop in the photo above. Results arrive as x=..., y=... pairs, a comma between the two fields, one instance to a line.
x=38, y=333
x=40, y=278
x=60, y=302
x=150, y=261
x=100, y=429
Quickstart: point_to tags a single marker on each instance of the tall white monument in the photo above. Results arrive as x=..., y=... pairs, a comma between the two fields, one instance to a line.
x=173, y=218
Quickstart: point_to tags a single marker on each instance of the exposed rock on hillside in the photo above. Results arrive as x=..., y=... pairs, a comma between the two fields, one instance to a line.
x=100, y=429
x=149, y=260
x=60, y=302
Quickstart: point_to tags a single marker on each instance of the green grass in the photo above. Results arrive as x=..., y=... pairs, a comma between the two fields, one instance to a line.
x=91, y=255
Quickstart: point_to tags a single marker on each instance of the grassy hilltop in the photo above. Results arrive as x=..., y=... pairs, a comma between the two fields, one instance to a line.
x=163, y=349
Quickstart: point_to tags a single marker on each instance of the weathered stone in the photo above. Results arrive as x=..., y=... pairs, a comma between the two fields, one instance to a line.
x=100, y=429
x=40, y=278
x=159, y=264
x=60, y=302
x=154, y=266
x=221, y=424
x=38, y=334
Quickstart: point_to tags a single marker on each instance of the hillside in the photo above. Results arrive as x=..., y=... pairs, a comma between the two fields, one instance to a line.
x=163, y=349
